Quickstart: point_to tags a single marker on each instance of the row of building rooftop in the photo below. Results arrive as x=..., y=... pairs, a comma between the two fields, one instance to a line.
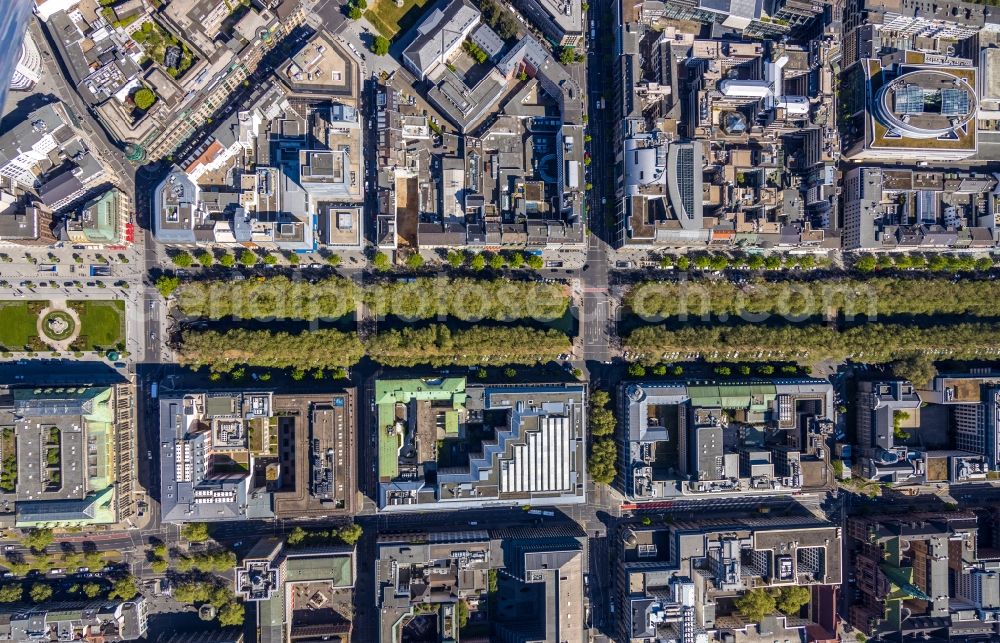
x=914, y=576
x=704, y=439
x=945, y=432
x=69, y=456
x=270, y=174
x=723, y=139
x=288, y=171
x=193, y=55
x=54, y=188
x=726, y=140
x=514, y=175
x=445, y=443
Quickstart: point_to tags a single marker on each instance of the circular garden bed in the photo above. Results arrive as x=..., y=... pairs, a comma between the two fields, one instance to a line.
x=58, y=325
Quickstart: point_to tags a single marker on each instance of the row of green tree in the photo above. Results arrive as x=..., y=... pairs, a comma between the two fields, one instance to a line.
x=70, y=561
x=637, y=369
x=272, y=298
x=438, y=345
x=842, y=295
x=216, y=560
x=469, y=299
x=211, y=590
x=124, y=588
x=933, y=262
x=38, y=593
x=246, y=257
x=348, y=534
x=423, y=298
x=722, y=261
x=760, y=602
x=222, y=352
x=602, y=464
x=809, y=343
x=478, y=261
x=862, y=263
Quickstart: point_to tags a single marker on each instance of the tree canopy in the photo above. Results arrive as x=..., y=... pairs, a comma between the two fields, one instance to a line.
x=40, y=592
x=221, y=352
x=602, y=464
x=602, y=419
x=469, y=299
x=195, y=532
x=124, y=588
x=274, y=297
x=874, y=343
x=350, y=534
x=439, y=345
x=38, y=539
x=231, y=614
x=791, y=599
x=755, y=604
x=248, y=258
x=144, y=98
x=918, y=368
x=11, y=593
x=182, y=259
x=848, y=296
x=218, y=560
x=295, y=536
x=380, y=45
x=381, y=261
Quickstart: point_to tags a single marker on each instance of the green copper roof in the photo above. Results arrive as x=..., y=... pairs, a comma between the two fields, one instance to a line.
x=388, y=393
x=335, y=568
x=95, y=509
x=101, y=224
x=389, y=443
x=901, y=579
x=392, y=391
x=451, y=422
x=271, y=613
x=755, y=397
